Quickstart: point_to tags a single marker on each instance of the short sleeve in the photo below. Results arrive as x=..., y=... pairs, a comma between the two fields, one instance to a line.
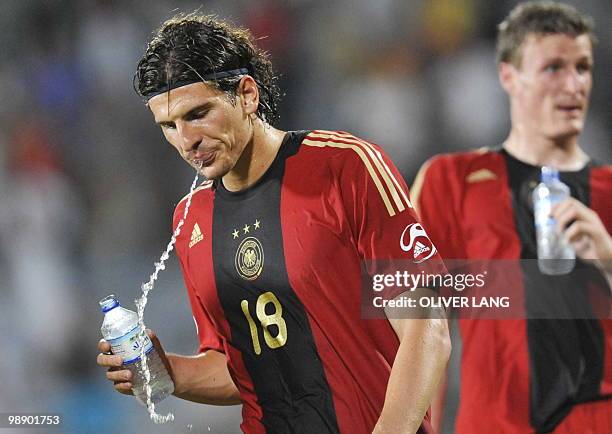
x=383, y=221
x=208, y=336
x=434, y=196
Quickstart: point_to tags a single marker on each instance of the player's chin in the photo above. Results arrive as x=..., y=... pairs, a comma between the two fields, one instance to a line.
x=568, y=130
x=214, y=171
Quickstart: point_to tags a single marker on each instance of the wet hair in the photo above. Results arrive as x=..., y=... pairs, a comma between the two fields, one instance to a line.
x=202, y=48
x=540, y=18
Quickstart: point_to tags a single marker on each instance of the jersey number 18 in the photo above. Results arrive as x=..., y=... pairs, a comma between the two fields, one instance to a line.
x=266, y=321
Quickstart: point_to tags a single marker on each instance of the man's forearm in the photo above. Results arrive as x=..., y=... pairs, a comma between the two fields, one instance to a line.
x=203, y=378
x=418, y=367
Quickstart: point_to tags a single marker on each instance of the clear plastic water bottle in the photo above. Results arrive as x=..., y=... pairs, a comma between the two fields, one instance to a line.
x=555, y=255
x=120, y=328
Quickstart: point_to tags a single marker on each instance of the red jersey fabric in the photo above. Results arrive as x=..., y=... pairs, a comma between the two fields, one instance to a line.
x=474, y=205
x=274, y=279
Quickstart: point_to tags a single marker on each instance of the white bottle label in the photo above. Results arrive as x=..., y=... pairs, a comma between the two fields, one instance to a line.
x=128, y=346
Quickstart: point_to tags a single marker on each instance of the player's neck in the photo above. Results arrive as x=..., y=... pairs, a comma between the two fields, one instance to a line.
x=256, y=158
x=539, y=151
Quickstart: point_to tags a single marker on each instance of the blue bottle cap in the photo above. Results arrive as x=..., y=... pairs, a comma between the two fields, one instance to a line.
x=549, y=174
x=108, y=303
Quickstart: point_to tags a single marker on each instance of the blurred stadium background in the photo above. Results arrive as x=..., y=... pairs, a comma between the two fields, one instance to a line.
x=88, y=186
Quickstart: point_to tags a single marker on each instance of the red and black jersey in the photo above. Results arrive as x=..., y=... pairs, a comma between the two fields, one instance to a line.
x=274, y=277
x=517, y=376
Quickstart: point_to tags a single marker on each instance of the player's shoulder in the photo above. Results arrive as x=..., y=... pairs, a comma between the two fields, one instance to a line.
x=601, y=169
x=201, y=192
x=337, y=143
x=360, y=164
x=450, y=173
x=600, y=178
x=460, y=162
x=340, y=149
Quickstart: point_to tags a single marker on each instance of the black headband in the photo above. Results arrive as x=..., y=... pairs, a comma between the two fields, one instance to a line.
x=199, y=79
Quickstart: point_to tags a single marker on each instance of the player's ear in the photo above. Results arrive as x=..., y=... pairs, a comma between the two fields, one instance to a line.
x=248, y=94
x=506, y=72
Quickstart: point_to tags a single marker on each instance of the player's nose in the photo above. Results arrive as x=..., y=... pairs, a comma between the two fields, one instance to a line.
x=574, y=81
x=188, y=135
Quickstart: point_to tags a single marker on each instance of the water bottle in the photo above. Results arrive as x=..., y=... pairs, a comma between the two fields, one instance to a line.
x=555, y=255
x=120, y=328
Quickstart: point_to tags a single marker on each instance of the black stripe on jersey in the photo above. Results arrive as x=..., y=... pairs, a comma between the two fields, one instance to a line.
x=566, y=356
x=289, y=380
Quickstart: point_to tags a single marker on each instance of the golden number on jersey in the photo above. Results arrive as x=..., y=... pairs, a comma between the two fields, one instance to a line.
x=266, y=321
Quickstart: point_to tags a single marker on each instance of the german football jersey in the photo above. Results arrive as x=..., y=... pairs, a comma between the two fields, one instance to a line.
x=274, y=278
x=517, y=376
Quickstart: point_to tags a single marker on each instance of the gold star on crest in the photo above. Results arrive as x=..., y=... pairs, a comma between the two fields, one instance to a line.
x=235, y=233
x=257, y=223
x=246, y=229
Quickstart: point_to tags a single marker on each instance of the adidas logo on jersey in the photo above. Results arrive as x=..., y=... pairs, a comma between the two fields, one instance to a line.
x=481, y=175
x=196, y=236
x=415, y=231
x=420, y=248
